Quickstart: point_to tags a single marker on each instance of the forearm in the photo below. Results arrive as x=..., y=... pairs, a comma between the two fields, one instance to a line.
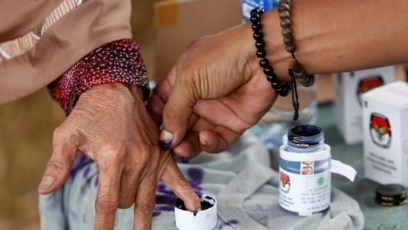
x=335, y=36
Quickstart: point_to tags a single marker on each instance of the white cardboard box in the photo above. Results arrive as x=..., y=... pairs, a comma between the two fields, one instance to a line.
x=348, y=87
x=385, y=123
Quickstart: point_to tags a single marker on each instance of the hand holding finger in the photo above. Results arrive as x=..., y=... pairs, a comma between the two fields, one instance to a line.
x=202, y=85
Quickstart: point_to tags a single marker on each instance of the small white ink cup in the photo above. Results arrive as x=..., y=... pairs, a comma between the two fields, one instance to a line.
x=206, y=219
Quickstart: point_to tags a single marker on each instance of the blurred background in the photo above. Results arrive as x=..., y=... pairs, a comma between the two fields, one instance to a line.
x=26, y=128
x=26, y=125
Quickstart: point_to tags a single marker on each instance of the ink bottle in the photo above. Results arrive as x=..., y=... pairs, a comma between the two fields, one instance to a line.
x=305, y=171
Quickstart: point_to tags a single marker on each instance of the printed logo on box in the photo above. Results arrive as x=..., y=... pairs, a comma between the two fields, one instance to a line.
x=366, y=84
x=380, y=130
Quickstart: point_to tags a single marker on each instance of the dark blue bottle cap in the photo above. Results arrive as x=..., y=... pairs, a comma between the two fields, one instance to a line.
x=303, y=136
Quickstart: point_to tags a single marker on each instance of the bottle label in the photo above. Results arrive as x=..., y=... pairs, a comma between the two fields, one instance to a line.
x=307, y=190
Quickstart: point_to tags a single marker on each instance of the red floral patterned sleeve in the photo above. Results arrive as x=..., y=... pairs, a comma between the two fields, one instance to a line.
x=118, y=61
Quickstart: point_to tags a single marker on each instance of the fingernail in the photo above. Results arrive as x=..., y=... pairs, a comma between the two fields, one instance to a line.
x=166, y=139
x=46, y=183
x=203, y=141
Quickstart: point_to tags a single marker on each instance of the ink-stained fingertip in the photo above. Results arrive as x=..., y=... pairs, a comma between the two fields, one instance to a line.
x=166, y=139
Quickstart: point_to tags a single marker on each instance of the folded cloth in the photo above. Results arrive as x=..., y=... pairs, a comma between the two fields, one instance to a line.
x=241, y=179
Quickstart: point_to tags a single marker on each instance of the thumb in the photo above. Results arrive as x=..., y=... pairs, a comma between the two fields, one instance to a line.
x=57, y=169
x=177, y=113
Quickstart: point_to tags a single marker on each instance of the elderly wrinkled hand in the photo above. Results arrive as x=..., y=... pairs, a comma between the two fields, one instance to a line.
x=111, y=126
x=212, y=95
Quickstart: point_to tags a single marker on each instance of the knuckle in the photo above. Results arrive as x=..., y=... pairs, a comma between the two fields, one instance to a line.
x=105, y=204
x=143, y=157
x=111, y=147
x=59, y=133
x=145, y=207
x=64, y=135
x=171, y=111
x=148, y=154
x=110, y=156
x=56, y=165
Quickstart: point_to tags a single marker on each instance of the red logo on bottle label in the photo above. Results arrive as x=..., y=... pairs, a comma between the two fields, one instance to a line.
x=284, y=182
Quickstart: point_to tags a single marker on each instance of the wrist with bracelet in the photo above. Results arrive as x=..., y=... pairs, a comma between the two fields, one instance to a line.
x=116, y=62
x=295, y=70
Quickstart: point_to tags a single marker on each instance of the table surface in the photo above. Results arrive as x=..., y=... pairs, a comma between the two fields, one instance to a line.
x=362, y=189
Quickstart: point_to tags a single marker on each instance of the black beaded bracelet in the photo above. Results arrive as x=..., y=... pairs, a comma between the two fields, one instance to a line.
x=282, y=89
x=296, y=69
